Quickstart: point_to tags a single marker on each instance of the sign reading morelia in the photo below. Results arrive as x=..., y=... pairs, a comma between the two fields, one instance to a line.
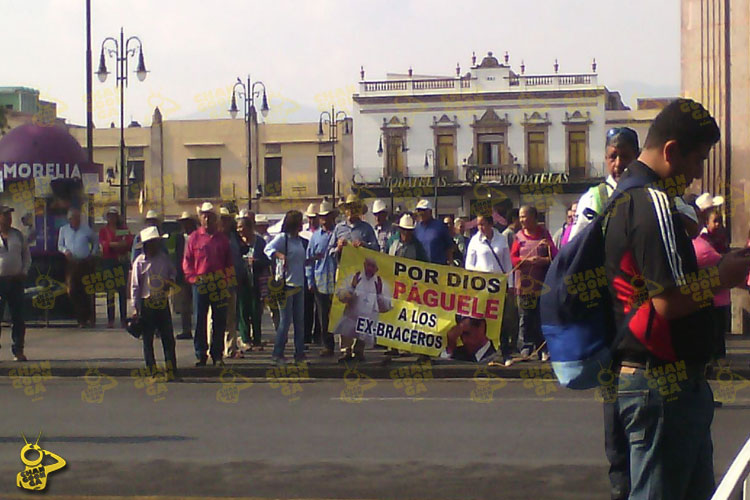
x=17, y=171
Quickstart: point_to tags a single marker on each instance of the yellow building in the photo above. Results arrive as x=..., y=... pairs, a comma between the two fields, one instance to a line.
x=173, y=165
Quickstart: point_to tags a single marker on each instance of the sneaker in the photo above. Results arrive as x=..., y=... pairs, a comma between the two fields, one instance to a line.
x=545, y=357
x=184, y=336
x=19, y=357
x=201, y=362
x=278, y=361
x=508, y=362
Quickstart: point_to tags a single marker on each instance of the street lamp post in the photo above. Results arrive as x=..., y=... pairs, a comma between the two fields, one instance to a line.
x=121, y=52
x=429, y=154
x=247, y=93
x=333, y=118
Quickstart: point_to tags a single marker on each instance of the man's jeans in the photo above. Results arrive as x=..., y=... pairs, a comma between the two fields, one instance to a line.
x=11, y=293
x=323, y=308
x=293, y=311
x=618, y=453
x=667, y=416
x=201, y=303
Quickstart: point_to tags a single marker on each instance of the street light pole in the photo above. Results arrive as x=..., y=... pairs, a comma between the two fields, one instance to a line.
x=333, y=118
x=248, y=93
x=430, y=154
x=121, y=52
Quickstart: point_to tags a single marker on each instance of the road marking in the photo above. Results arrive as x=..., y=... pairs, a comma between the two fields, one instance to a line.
x=498, y=398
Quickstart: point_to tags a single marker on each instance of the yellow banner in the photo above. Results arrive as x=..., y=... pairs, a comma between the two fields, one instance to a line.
x=418, y=307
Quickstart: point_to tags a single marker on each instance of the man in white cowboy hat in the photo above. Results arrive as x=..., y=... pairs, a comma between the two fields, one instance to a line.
x=433, y=234
x=261, y=227
x=79, y=244
x=15, y=261
x=383, y=227
x=150, y=287
x=152, y=220
x=406, y=245
x=321, y=273
x=353, y=230
x=313, y=223
x=207, y=266
x=184, y=298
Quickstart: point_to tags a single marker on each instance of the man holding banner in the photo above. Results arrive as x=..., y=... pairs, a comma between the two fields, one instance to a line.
x=359, y=233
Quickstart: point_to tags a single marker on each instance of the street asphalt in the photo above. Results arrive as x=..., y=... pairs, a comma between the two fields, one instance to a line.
x=354, y=438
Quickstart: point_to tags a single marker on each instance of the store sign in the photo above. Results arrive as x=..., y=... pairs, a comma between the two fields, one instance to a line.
x=525, y=179
x=413, y=182
x=398, y=183
x=47, y=171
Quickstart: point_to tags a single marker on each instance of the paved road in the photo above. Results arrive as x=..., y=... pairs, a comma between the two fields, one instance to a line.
x=325, y=439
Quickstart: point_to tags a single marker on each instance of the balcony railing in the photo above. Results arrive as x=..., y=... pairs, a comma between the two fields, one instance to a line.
x=416, y=84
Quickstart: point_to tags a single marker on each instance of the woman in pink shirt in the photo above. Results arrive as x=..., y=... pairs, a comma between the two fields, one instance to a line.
x=531, y=255
x=709, y=256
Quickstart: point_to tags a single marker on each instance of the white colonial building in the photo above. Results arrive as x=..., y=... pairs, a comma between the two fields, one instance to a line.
x=485, y=135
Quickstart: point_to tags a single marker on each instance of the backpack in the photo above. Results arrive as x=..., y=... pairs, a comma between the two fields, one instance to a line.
x=577, y=311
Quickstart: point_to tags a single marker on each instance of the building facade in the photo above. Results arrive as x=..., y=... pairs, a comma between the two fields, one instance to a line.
x=173, y=165
x=477, y=138
x=715, y=50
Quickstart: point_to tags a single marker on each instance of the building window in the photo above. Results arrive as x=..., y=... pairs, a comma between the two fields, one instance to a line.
x=395, y=161
x=204, y=178
x=446, y=152
x=325, y=175
x=577, y=152
x=273, y=176
x=537, y=151
x=491, y=149
x=136, y=184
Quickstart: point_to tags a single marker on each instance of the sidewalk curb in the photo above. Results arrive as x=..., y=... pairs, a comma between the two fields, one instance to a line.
x=261, y=373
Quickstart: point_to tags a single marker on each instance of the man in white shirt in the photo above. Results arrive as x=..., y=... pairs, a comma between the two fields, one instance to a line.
x=621, y=150
x=15, y=261
x=488, y=252
x=78, y=243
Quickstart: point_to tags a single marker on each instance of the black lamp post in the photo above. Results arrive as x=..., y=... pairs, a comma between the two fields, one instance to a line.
x=333, y=118
x=429, y=154
x=247, y=93
x=121, y=52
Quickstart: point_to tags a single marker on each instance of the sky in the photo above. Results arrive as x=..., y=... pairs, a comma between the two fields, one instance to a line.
x=308, y=53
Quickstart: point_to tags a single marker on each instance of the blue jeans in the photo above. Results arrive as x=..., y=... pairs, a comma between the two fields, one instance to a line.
x=529, y=323
x=668, y=424
x=201, y=302
x=292, y=311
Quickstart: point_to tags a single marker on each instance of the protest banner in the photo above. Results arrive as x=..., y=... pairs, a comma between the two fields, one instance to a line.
x=418, y=307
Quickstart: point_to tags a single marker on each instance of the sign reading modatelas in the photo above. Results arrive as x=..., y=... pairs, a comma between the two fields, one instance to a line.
x=418, y=307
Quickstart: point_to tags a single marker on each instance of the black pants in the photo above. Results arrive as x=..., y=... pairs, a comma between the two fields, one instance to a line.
x=312, y=322
x=158, y=319
x=323, y=308
x=618, y=452
x=11, y=293
x=721, y=317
